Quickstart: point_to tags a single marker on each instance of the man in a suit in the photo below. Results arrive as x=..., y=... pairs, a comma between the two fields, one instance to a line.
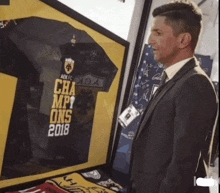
x=166, y=152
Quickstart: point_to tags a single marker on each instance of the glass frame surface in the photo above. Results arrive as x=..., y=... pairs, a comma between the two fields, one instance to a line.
x=106, y=107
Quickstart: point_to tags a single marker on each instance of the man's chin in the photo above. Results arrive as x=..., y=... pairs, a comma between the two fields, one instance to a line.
x=159, y=61
x=156, y=58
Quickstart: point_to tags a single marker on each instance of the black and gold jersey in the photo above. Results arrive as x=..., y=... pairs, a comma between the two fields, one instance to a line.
x=60, y=71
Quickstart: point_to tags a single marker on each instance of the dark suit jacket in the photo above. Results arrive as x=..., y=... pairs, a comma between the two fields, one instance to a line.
x=171, y=135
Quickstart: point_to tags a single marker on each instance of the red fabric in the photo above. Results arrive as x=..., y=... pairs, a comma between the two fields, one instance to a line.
x=43, y=188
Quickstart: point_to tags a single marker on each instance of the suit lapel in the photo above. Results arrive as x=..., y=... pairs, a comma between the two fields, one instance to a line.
x=188, y=66
x=153, y=105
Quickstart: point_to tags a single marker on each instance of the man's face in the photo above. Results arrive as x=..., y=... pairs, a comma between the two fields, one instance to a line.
x=163, y=41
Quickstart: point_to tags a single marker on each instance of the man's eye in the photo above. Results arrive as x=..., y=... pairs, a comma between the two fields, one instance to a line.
x=158, y=33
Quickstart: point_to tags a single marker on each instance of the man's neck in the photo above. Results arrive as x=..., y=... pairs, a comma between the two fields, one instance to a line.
x=173, y=69
x=179, y=57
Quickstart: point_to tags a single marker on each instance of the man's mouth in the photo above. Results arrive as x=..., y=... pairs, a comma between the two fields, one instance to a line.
x=155, y=50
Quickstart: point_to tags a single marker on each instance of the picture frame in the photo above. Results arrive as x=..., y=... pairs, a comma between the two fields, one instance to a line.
x=100, y=83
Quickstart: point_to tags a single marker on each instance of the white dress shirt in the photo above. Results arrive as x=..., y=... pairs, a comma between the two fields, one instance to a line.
x=173, y=69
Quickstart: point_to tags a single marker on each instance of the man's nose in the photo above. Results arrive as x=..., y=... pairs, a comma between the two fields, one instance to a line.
x=150, y=39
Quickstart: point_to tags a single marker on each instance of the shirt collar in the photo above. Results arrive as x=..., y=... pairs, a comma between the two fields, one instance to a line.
x=173, y=69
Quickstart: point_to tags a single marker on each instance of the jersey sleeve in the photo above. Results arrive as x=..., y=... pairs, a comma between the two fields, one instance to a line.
x=103, y=66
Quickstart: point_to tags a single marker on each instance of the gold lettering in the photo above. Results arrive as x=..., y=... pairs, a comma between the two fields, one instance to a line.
x=66, y=101
x=66, y=85
x=68, y=116
x=57, y=101
x=72, y=90
x=53, y=116
x=56, y=89
x=61, y=116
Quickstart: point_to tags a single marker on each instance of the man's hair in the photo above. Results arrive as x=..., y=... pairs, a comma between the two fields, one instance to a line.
x=182, y=16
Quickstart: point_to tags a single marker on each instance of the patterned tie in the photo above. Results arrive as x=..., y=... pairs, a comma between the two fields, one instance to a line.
x=163, y=79
x=162, y=82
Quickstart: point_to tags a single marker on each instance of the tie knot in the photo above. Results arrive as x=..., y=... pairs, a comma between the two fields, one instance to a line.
x=163, y=78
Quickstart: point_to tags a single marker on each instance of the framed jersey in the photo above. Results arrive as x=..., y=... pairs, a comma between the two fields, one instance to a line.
x=60, y=81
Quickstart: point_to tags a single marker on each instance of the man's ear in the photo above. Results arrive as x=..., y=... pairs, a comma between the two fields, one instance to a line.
x=184, y=39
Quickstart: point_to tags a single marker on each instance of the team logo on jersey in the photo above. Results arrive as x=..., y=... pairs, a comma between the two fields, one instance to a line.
x=68, y=65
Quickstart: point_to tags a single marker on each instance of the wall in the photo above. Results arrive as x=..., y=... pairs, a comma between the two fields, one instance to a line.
x=112, y=15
